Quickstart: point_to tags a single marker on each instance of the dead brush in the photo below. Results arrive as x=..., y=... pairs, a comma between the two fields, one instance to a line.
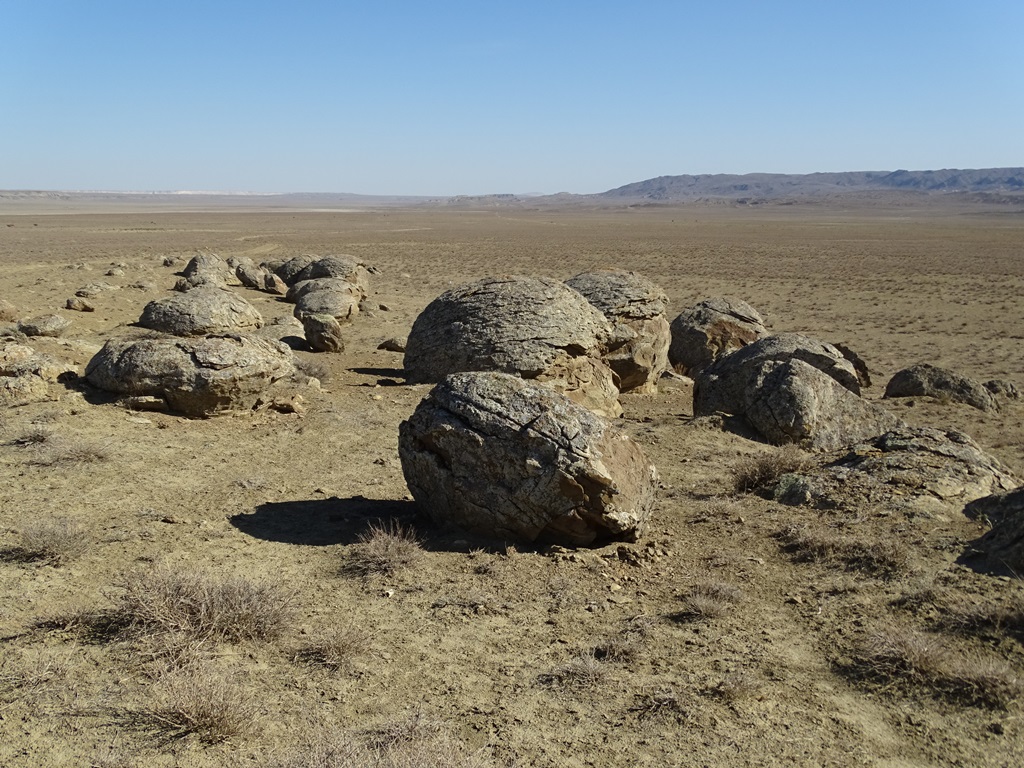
x=58, y=450
x=383, y=549
x=755, y=473
x=57, y=541
x=28, y=675
x=203, y=702
x=580, y=673
x=1003, y=618
x=660, y=705
x=900, y=656
x=194, y=604
x=708, y=600
x=336, y=649
x=883, y=558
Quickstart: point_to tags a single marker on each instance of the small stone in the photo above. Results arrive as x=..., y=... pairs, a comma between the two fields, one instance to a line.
x=78, y=304
x=392, y=345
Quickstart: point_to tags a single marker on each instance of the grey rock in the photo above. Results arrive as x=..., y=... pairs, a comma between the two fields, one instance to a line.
x=932, y=381
x=44, y=325
x=710, y=330
x=274, y=284
x=392, y=345
x=301, y=288
x=342, y=266
x=208, y=265
x=723, y=385
x=863, y=374
x=793, y=402
x=197, y=377
x=323, y=333
x=587, y=381
x=529, y=326
x=114, y=272
x=512, y=460
x=201, y=311
x=289, y=269
x=343, y=306
x=633, y=301
x=910, y=468
x=251, y=276
x=92, y=290
x=1003, y=388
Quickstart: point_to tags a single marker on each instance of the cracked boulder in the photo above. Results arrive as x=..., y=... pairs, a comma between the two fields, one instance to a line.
x=794, y=402
x=199, y=312
x=26, y=375
x=534, y=327
x=197, y=377
x=512, y=460
x=639, y=307
x=918, y=470
x=723, y=386
x=926, y=380
x=711, y=330
x=342, y=304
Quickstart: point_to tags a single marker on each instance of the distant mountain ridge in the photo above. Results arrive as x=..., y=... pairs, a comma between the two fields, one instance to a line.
x=776, y=185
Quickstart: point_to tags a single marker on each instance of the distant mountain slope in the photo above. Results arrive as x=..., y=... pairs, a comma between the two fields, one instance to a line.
x=776, y=185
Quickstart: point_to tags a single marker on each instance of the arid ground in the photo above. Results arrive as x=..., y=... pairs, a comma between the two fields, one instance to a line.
x=706, y=643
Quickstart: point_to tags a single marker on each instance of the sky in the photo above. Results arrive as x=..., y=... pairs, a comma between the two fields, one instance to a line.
x=443, y=98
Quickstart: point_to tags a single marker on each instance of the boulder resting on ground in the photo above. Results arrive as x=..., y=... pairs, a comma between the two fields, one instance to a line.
x=26, y=375
x=509, y=459
x=712, y=329
x=44, y=325
x=199, y=312
x=926, y=380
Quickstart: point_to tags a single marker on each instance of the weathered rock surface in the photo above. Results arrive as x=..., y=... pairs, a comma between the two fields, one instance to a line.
x=392, y=345
x=723, y=385
x=793, y=402
x=338, y=284
x=198, y=377
x=586, y=381
x=208, y=266
x=343, y=306
x=710, y=330
x=1003, y=545
x=44, y=325
x=512, y=460
x=639, y=305
x=26, y=375
x=345, y=267
x=275, y=284
x=863, y=374
x=1003, y=388
x=251, y=276
x=290, y=268
x=530, y=326
x=932, y=381
x=199, y=312
x=323, y=333
x=910, y=468
x=78, y=304
x=8, y=312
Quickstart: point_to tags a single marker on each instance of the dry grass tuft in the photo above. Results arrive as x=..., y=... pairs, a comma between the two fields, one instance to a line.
x=56, y=450
x=1006, y=617
x=336, y=649
x=31, y=674
x=660, y=705
x=708, y=600
x=202, y=702
x=193, y=604
x=581, y=673
x=56, y=541
x=903, y=656
x=383, y=549
x=883, y=558
x=737, y=687
x=757, y=472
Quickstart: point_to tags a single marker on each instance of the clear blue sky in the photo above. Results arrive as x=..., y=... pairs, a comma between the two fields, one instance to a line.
x=442, y=97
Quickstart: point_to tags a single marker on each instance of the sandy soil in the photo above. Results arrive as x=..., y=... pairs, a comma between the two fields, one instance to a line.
x=498, y=644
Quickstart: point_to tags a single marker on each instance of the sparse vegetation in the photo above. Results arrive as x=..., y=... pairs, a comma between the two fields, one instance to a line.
x=383, y=549
x=757, y=472
x=883, y=558
x=336, y=648
x=55, y=540
x=580, y=673
x=708, y=600
x=660, y=704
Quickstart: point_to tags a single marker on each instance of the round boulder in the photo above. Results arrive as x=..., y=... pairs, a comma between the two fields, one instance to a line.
x=711, y=330
x=342, y=305
x=290, y=268
x=199, y=312
x=638, y=305
x=323, y=333
x=932, y=381
x=341, y=266
x=198, y=377
x=513, y=460
x=44, y=325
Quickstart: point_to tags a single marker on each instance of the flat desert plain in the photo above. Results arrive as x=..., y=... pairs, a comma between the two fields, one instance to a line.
x=709, y=642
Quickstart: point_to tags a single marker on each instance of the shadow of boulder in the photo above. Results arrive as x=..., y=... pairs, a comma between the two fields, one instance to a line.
x=320, y=522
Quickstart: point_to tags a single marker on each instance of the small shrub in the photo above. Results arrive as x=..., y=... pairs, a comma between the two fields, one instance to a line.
x=708, y=600
x=57, y=540
x=202, y=702
x=59, y=450
x=886, y=558
x=661, y=704
x=312, y=369
x=580, y=673
x=193, y=604
x=383, y=549
x=336, y=649
x=757, y=472
x=737, y=687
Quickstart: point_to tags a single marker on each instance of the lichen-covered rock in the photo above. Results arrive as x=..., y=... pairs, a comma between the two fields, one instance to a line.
x=905, y=468
x=199, y=312
x=345, y=267
x=793, y=402
x=343, y=306
x=323, y=333
x=26, y=375
x=639, y=305
x=44, y=325
x=926, y=380
x=723, y=385
x=513, y=460
x=198, y=377
x=710, y=330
